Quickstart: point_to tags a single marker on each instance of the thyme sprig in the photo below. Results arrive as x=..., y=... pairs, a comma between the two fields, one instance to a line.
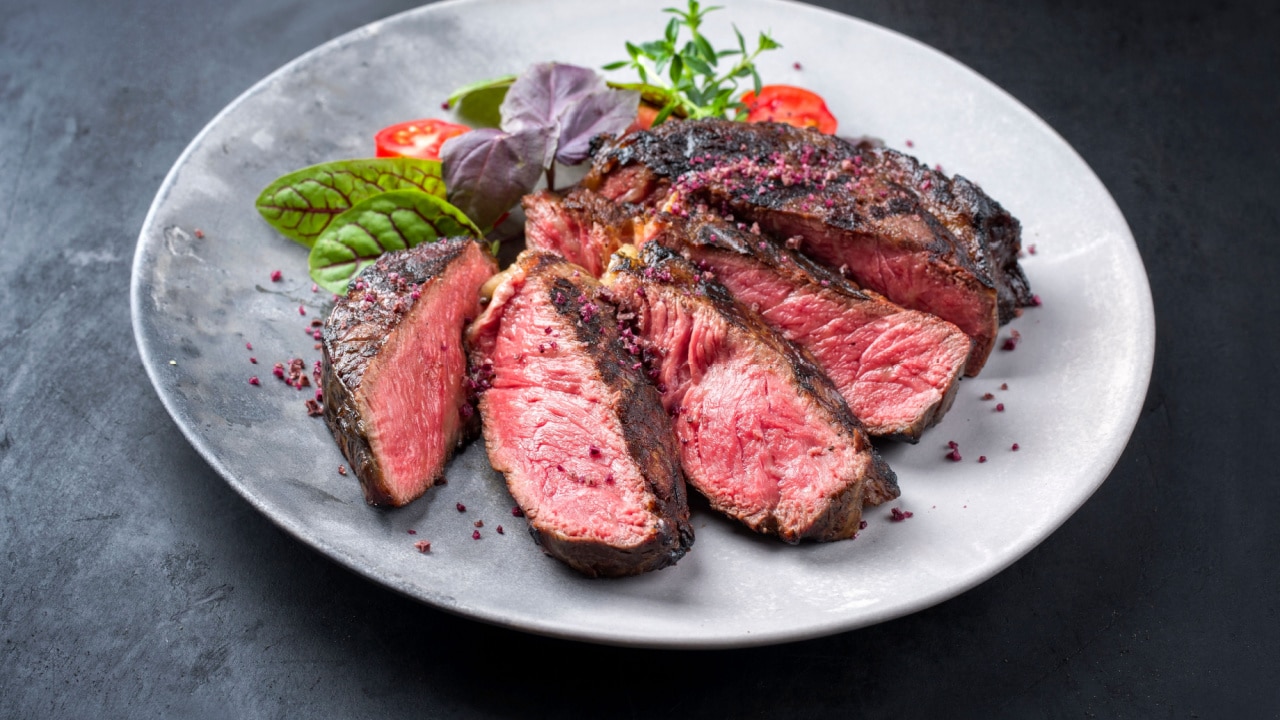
x=689, y=80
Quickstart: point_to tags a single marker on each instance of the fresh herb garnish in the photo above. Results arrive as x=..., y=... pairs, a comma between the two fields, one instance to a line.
x=302, y=204
x=688, y=80
x=549, y=115
x=388, y=221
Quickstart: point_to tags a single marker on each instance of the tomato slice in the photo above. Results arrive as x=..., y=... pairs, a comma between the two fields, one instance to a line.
x=644, y=118
x=416, y=138
x=790, y=105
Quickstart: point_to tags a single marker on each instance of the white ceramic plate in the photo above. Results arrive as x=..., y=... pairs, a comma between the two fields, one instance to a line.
x=1075, y=383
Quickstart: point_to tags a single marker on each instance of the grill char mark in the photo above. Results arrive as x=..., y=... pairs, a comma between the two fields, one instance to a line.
x=867, y=194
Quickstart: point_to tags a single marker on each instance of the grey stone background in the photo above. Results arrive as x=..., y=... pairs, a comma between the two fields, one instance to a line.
x=135, y=583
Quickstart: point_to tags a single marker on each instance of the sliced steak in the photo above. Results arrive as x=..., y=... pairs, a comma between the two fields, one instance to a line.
x=897, y=369
x=926, y=243
x=582, y=227
x=394, y=366
x=764, y=434
x=570, y=419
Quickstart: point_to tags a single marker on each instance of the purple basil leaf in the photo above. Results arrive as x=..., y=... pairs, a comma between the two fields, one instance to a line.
x=539, y=95
x=604, y=111
x=488, y=170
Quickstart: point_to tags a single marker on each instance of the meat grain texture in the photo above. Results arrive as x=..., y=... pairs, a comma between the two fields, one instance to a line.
x=923, y=240
x=764, y=435
x=574, y=425
x=897, y=369
x=394, y=366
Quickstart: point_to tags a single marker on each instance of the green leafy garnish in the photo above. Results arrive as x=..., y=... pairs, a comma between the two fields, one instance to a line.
x=303, y=204
x=478, y=102
x=692, y=78
x=389, y=221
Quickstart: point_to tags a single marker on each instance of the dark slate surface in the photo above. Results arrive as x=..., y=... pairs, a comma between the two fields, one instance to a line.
x=136, y=583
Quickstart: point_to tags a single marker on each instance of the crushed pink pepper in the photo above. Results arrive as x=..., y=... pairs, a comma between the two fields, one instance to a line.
x=412, y=531
x=988, y=396
x=342, y=469
x=424, y=546
x=444, y=105
x=302, y=310
x=1011, y=342
x=1036, y=301
x=199, y=233
x=796, y=65
x=982, y=458
x=999, y=407
x=248, y=346
x=954, y=455
x=315, y=287
x=254, y=380
x=1015, y=447
x=910, y=144
x=897, y=515
x=276, y=276
x=461, y=507
x=862, y=524
x=517, y=512
x=953, y=444
x=1031, y=248
x=499, y=529
x=478, y=523
x=475, y=534
x=253, y=360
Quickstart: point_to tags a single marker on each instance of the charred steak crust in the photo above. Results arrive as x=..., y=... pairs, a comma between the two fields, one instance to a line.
x=359, y=328
x=588, y=320
x=977, y=221
x=843, y=511
x=795, y=181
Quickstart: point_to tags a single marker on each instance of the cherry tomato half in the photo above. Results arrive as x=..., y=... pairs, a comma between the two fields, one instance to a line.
x=790, y=105
x=416, y=138
x=644, y=118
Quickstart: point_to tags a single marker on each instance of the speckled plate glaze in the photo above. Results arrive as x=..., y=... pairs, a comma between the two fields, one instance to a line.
x=1075, y=383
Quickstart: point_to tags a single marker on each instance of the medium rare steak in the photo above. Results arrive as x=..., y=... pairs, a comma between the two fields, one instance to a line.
x=764, y=435
x=897, y=369
x=570, y=419
x=582, y=227
x=909, y=233
x=394, y=366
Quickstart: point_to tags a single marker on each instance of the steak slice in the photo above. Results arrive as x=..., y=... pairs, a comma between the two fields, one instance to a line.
x=764, y=434
x=582, y=227
x=572, y=422
x=856, y=207
x=897, y=369
x=394, y=366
